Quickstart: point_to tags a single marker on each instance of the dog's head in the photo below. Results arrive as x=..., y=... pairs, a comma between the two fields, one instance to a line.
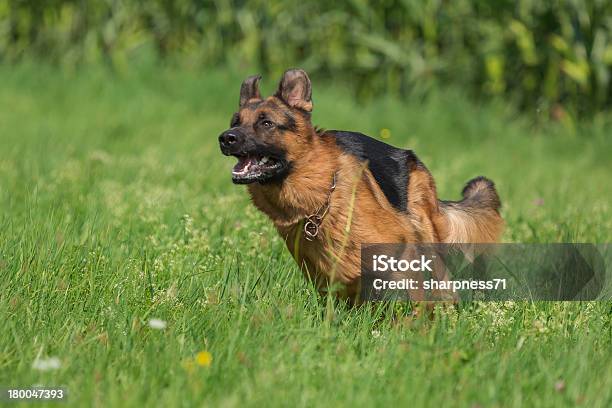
x=268, y=135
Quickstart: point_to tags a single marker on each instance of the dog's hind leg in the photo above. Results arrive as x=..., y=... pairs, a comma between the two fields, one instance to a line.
x=423, y=203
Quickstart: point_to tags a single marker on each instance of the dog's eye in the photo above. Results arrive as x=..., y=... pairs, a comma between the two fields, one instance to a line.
x=267, y=124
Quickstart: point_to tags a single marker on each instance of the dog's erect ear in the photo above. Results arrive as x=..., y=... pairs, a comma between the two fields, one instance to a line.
x=295, y=90
x=249, y=89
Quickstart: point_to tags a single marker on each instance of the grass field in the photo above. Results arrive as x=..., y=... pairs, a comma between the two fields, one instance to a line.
x=116, y=207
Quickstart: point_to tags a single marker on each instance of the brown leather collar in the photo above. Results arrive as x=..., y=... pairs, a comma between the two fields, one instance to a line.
x=314, y=221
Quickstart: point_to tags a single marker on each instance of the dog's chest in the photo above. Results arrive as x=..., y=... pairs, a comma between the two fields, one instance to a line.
x=326, y=258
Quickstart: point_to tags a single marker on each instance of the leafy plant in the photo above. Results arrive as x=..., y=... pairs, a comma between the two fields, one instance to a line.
x=552, y=56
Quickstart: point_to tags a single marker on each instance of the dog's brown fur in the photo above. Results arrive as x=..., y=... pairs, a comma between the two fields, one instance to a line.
x=359, y=212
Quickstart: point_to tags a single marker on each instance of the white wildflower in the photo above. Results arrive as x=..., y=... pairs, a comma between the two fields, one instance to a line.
x=46, y=364
x=157, y=324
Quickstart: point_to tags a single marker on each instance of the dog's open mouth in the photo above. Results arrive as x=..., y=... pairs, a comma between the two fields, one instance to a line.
x=252, y=168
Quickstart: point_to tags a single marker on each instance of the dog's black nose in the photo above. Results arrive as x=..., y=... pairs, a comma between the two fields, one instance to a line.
x=231, y=140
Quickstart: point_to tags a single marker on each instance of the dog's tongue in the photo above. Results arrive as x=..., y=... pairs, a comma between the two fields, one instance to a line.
x=243, y=164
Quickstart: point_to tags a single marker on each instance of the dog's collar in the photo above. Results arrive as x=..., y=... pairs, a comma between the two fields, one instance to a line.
x=314, y=221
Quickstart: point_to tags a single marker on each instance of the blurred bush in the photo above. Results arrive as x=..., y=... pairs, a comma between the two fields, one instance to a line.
x=549, y=56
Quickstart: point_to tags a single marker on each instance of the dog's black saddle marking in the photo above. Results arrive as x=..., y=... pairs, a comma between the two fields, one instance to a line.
x=389, y=165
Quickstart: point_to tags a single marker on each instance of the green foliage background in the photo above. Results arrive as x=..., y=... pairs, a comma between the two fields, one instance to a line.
x=552, y=57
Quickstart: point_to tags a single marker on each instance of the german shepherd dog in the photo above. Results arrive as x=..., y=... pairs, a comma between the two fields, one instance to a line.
x=327, y=192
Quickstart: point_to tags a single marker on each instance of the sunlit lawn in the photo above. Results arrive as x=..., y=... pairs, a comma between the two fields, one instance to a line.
x=116, y=208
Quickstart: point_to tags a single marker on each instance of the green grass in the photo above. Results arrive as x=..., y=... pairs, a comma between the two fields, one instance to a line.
x=117, y=207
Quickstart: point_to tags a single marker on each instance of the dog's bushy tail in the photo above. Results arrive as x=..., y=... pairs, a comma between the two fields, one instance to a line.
x=474, y=219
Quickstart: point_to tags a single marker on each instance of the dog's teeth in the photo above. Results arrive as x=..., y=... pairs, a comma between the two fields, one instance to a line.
x=264, y=160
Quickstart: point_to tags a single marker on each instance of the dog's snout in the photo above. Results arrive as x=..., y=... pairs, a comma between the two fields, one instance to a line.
x=228, y=139
x=231, y=140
